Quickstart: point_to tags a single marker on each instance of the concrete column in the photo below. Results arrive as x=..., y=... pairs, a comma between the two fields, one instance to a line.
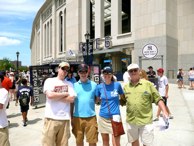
x=85, y=18
x=41, y=40
x=99, y=18
x=54, y=28
x=116, y=17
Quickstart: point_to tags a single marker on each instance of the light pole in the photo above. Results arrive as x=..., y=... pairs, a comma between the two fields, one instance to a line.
x=87, y=37
x=17, y=54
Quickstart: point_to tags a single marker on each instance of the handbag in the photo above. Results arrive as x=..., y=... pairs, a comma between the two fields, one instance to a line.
x=117, y=127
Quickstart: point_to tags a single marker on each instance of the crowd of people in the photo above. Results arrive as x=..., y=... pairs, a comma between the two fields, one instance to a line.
x=71, y=102
x=13, y=87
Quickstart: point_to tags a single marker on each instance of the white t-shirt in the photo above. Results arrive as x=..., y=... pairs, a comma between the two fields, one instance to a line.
x=56, y=109
x=3, y=100
x=191, y=74
x=162, y=83
x=126, y=77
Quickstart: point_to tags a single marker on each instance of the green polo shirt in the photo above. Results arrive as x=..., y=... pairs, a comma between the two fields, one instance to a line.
x=139, y=99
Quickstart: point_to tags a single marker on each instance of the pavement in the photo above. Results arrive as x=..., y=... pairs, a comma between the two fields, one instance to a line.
x=180, y=132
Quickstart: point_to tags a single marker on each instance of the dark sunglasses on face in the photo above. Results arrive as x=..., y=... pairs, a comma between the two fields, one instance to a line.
x=133, y=70
x=65, y=69
x=82, y=72
x=106, y=73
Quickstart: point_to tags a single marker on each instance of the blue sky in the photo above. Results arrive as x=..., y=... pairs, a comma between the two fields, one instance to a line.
x=16, y=18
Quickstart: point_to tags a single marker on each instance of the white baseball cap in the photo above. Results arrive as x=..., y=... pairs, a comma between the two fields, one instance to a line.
x=132, y=66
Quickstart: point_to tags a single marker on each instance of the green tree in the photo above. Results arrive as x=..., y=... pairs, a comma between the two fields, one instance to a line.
x=6, y=64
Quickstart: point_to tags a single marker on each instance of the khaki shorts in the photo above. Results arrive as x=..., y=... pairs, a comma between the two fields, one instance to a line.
x=56, y=132
x=4, y=137
x=82, y=126
x=146, y=133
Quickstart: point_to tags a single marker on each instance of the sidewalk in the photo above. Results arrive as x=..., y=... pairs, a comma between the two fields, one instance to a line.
x=180, y=132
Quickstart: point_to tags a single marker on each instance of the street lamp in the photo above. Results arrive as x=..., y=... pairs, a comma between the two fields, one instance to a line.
x=17, y=54
x=87, y=37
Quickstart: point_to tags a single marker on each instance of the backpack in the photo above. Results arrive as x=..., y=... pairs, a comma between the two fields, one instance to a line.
x=24, y=98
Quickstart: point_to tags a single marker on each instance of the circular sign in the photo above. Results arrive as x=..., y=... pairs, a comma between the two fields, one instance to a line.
x=150, y=51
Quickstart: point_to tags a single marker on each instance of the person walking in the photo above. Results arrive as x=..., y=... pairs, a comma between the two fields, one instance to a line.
x=191, y=78
x=139, y=96
x=59, y=95
x=163, y=91
x=180, y=81
x=4, y=134
x=84, y=120
x=108, y=93
x=151, y=73
x=24, y=96
x=12, y=90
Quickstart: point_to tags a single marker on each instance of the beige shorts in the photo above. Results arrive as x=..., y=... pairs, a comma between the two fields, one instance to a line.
x=4, y=137
x=146, y=133
x=56, y=132
x=104, y=125
x=82, y=126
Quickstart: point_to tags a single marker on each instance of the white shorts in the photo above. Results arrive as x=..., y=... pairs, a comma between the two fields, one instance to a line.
x=146, y=133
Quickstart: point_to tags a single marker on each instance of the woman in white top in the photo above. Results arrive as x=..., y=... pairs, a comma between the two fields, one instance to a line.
x=191, y=78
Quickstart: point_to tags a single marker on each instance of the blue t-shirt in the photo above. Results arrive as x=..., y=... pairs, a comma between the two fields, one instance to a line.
x=72, y=80
x=113, y=91
x=84, y=103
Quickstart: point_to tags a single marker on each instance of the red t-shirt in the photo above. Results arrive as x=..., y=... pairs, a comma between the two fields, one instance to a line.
x=7, y=84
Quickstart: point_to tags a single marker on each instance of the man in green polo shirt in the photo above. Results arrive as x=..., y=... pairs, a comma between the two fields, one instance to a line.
x=139, y=96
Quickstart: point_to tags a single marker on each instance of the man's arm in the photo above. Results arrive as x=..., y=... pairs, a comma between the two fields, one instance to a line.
x=122, y=100
x=166, y=91
x=1, y=106
x=163, y=108
x=56, y=95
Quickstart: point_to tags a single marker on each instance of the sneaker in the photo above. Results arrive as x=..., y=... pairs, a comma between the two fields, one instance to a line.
x=24, y=124
x=156, y=119
x=171, y=117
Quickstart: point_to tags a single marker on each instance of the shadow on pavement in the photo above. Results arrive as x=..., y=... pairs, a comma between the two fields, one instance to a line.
x=30, y=122
x=12, y=125
x=13, y=115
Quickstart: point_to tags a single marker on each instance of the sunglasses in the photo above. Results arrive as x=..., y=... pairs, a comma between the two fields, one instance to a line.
x=106, y=73
x=133, y=70
x=82, y=72
x=65, y=69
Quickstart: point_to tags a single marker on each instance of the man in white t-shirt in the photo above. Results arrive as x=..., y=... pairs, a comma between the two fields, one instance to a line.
x=59, y=95
x=163, y=91
x=4, y=135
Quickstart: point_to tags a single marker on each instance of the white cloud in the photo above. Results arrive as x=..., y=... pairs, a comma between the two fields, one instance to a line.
x=5, y=41
x=19, y=7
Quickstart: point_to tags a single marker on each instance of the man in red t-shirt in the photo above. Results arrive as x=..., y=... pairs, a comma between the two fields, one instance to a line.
x=7, y=84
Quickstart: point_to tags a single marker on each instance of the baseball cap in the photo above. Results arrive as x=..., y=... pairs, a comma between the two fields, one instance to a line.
x=63, y=64
x=82, y=67
x=107, y=69
x=11, y=73
x=161, y=70
x=132, y=66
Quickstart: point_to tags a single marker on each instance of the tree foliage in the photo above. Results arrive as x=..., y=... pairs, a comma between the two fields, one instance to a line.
x=5, y=64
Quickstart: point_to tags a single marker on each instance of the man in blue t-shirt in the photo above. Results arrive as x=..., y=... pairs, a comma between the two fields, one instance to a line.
x=24, y=96
x=84, y=120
